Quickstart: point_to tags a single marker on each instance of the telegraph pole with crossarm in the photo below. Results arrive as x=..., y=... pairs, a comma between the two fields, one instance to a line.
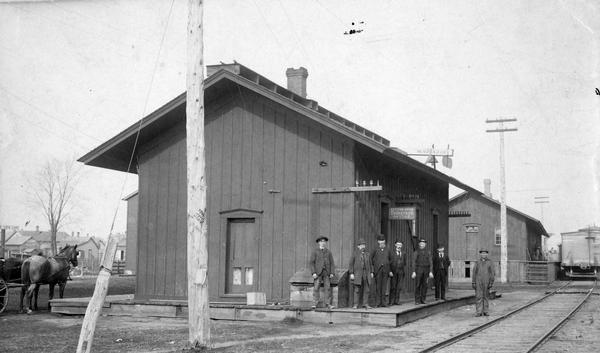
x=503, y=237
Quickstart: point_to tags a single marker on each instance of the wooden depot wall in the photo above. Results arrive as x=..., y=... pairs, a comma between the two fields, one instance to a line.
x=486, y=216
x=262, y=162
x=402, y=187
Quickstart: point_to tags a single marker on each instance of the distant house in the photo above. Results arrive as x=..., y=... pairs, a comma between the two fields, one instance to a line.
x=19, y=245
x=475, y=224
x=275, y=163
x=89, y=251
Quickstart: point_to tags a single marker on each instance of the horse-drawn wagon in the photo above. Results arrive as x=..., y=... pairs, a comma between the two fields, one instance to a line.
x=30, y=273
x=10, y=277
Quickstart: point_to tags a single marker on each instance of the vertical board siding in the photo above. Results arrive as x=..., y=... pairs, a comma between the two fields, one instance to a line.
x=271, y=168
x=161, y=268
x=487, y=215
x=260, y=157
x=397, y=183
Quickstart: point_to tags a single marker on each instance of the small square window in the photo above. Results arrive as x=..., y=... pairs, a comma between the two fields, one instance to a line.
x=497, y=237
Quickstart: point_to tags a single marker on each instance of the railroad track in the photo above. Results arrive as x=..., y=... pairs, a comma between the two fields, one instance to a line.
x=524, y=329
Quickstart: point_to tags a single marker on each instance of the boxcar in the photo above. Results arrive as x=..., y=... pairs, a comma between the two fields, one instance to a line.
x=581, y=253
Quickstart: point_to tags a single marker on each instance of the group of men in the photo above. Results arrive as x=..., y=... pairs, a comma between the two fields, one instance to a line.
x=383, y=264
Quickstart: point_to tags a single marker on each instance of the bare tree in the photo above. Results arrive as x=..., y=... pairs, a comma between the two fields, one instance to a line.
x=52, y=189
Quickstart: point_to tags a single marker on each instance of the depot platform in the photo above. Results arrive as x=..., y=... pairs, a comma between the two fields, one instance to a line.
x=392, y=316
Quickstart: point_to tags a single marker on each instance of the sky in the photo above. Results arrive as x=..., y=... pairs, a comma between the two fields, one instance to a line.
x=75, y=73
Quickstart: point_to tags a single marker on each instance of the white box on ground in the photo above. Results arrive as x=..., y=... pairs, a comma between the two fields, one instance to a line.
x=256, y=298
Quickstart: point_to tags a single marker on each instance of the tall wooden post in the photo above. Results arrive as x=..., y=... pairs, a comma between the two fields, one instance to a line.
x=197, y=249
x=503, y=225
x=86, y=336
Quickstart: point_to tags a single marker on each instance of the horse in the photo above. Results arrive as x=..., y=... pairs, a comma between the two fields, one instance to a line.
x=53, y=270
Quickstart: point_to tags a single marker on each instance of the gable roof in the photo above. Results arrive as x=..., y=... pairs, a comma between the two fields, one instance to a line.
x=18, y=239
x=43, y=236
x=530, y=220
x=116, y=153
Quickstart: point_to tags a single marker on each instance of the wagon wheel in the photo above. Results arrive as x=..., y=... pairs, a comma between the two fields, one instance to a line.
x=3, y=295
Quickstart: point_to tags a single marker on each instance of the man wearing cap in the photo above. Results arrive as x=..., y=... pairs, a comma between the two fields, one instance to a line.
x=441, y=263
x=322, y=267
x=483, y=280
x=398, y=264
x=421, y=268
x=381, y=258
x=361, y=273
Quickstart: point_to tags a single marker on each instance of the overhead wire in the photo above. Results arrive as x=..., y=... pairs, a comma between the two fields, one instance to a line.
x=137, y=135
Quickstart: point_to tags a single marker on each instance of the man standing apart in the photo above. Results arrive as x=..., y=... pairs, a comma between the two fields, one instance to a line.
x=322, y=267
x=398, y=264
x=441, y=263
x=381, y=268
x=361, y=273
x=483, y=280
x=421, y=267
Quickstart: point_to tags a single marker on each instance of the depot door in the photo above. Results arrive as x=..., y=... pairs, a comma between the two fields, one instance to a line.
x=242, y=256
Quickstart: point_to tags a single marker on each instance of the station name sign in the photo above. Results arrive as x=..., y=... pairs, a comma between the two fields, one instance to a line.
x=409, y=213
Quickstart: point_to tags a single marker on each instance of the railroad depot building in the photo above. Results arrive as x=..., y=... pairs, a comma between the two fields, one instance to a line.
x=475, y=223
x=273, y=159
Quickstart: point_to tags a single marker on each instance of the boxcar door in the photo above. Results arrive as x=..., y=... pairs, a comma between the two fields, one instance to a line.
x=242, y=256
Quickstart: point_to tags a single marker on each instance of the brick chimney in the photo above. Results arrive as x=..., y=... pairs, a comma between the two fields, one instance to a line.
x=37, y=228
x=77, y=234
x=296, y=80
x=487, y=186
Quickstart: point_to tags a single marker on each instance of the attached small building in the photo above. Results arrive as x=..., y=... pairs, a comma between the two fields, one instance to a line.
x=273, y=162
x=475, y=224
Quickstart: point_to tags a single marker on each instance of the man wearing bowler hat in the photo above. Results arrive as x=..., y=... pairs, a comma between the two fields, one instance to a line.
x=441, y=263
x=361, y=273
x=421, y=268
x=322, y=267
x=483, y=280
x=381, y=258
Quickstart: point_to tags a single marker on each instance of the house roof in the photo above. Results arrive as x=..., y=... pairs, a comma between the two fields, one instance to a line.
x=44, y=236
x=531, y=220
x=18, y=239
x=116, y=153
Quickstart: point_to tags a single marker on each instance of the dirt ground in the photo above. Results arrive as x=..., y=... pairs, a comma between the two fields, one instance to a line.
x=45, y=332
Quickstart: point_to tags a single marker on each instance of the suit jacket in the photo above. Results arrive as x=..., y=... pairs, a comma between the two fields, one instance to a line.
x=441, y=265
x=398, y=263
x=381, y=259
x=321, y=260
x=360, y=264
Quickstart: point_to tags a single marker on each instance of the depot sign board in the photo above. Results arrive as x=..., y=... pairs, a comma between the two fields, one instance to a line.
x=399, y=213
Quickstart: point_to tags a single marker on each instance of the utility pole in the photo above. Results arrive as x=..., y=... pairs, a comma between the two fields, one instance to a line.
x=197, y=249
x=541, y=200
x=503, y=236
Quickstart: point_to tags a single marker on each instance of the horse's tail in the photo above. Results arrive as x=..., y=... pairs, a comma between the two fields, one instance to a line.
x=25, y=278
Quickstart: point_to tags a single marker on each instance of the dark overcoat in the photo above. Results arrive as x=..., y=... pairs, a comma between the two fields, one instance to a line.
x=360, y=264
x=381, y=260
x=441, y=264
x=398, y=263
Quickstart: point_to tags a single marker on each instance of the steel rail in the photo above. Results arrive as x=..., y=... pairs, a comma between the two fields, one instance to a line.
x=556, y=327
x=484, y=326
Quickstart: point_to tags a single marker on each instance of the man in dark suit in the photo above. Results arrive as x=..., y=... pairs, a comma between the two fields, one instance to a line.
x=421, y=268
x=441, y=263
x=322, y=267
x=380, y=258
x=397, y=266
x=361, y=274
